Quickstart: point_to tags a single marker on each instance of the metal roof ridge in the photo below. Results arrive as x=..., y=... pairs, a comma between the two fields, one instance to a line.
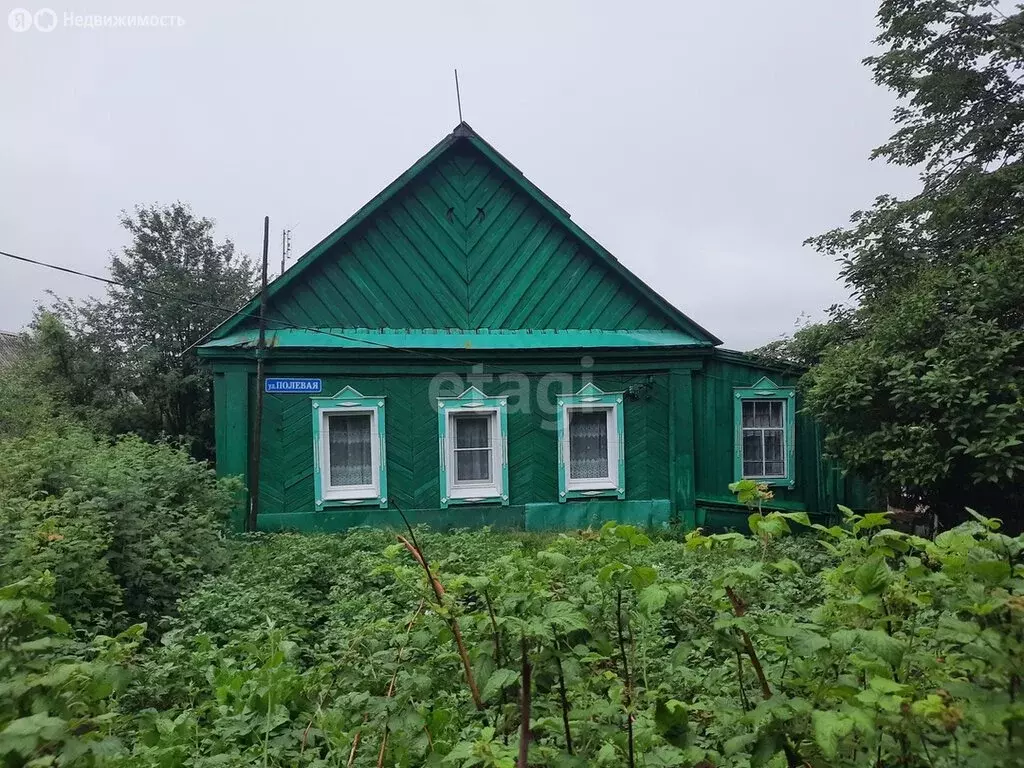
x=483, y=331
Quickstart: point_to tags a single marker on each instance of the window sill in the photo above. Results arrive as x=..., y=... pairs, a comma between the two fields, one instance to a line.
x=591, y=493
x=781, y=482
x=485, y=498
x=368, y=501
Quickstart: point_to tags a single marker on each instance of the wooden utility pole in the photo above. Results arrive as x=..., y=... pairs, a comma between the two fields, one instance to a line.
x=257, y=432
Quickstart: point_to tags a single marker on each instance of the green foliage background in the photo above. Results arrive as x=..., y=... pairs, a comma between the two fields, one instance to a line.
x=125, y=527
x=930, y=398
x=847, y=645
x=124, y=362
x=920, y=382
x=134, y=633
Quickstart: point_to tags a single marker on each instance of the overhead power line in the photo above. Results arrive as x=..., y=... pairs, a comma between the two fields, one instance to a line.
x=111, y=281
x=285, y=324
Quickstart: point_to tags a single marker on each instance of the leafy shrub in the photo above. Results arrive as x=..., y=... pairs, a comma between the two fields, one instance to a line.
x=928, y=401
x=126, y=527
x=55, y=693
x=24, y=402
x=851, y=645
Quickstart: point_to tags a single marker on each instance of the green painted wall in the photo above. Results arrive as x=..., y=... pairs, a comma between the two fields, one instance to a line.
x=232, y=422
x=653, y=513
x=819, y=485
x=462, y=246
x=678, y=431
x=286, y=477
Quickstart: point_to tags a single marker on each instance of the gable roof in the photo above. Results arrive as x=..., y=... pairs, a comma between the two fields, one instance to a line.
x=488, y=294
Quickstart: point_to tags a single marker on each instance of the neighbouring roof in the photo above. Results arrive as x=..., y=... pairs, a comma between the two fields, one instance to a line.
x=446, y=339
x=461, y=240
x=12, y=347
x=760, y=362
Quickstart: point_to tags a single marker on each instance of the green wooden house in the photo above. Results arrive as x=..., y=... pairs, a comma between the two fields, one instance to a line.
x=461, y=351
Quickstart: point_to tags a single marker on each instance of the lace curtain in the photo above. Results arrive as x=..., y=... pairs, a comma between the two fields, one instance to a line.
x=588, y=444
x=472, y=449
x=350, y=455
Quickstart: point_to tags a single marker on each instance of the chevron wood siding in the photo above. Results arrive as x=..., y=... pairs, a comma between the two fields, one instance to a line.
x=463, y=247
x=286, y=482
x=819, y=484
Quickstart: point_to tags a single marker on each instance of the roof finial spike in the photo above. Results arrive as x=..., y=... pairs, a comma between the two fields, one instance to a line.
x=458, y=96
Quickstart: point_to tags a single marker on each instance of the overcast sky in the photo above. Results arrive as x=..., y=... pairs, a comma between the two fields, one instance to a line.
x=700, y=143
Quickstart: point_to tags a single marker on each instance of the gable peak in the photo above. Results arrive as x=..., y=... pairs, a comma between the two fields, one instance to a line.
x=349, y=391
x=763, y=383
x=470, y=229
x=464, y=130
x=590, y=389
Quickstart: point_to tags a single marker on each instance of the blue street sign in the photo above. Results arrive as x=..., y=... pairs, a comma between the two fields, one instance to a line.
x=280, y=386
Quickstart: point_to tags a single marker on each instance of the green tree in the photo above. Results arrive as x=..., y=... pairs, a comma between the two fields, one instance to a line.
x=125, y=360
x=930, y=399
x=920, y=384
x=809, y=344
x=958, y=68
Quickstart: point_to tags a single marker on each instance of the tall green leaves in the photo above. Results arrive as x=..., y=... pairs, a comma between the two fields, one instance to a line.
x=56, y=694
x=315, y=651
x=125, y=527
x=899, y=650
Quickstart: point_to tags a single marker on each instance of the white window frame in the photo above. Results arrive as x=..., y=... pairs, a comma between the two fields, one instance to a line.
x=349, y=492
x=611, y=480
x=475, y=489
x=785, y=440
x=591, y=397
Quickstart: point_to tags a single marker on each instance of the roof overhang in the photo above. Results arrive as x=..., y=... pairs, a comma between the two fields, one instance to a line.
x=403, y=339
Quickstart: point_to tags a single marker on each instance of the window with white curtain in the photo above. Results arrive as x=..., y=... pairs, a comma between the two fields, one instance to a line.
x=473, y=432
x=473, y=454
x=473, y=449
x=350, y=454
x=590, y=455
x=349, y=450
x=591, y=447
x=349, y=436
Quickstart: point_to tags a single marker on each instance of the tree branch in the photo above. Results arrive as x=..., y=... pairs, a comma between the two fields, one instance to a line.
x=452, y=622
x=562, y=695
x=524, y=707
x=626, y=678
x=739, y=608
